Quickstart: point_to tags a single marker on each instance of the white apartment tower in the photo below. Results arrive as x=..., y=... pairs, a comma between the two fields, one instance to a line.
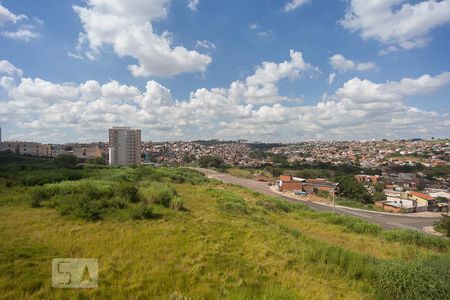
x=124, y=146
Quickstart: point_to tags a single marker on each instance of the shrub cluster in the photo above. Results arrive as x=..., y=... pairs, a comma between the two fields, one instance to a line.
x=159, y=193
x=174, y=175
x=87, y=199
x=444, y=224
x=44, y=177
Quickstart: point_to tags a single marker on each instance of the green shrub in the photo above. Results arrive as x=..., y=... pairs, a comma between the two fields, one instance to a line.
x=141, y=211
x=158, y=193
x=86, y=199
x=444, y=224
x=127, y=191
x=209, y=161
x=352, y=189
x=69, y=161
x=40, y=194
x=176, y=203
x=44, y=177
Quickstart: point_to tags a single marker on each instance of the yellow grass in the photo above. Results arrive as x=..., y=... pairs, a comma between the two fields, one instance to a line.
x=201, y=253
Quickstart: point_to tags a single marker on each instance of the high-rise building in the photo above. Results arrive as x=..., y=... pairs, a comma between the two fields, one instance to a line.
x=124, y=146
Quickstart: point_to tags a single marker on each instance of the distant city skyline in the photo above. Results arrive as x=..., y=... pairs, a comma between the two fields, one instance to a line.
x=269, y=71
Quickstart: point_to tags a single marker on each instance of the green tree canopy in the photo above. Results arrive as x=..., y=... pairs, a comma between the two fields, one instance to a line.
x=209, y=161
x=352, y=189
x=69, y=161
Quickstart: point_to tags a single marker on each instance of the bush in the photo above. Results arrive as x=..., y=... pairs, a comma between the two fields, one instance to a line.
x=211, y=162
x=141, y=212
x=352, y=189
x=379, y=196
x=44, y=177
x=86, y=199
x=176, y=203
x=158, y=193
x=444, y=224
x=127, y=191
x=40, y=194
x=67, y=161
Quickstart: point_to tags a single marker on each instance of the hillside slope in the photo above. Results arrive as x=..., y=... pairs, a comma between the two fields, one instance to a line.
x=226, y=243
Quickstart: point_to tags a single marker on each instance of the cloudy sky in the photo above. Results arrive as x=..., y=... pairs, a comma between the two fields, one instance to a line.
x=266, y=70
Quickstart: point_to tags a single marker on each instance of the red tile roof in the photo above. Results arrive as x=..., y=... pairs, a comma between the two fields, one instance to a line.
x=423, y=196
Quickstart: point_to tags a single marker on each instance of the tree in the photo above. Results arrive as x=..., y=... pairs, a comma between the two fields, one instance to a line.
x=350, y=188
x=69, y=161
x=441, y=199
x=209, y=161
x=188, y=158
x=379, y=187
x=444, y=223
x=379, y=196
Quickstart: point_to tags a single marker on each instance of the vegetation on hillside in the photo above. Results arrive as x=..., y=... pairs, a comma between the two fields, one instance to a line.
x=209, y=161
x=353, y=190
x=443, y=224
x=225, y=243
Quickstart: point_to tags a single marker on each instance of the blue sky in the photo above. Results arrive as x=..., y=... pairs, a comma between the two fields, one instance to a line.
x=199, y=69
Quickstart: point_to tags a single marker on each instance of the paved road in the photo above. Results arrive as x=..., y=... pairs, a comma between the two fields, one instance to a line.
x=385, y=220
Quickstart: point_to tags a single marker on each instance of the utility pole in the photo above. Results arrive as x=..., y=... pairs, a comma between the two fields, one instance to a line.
x=334, y=196
x=334, y=200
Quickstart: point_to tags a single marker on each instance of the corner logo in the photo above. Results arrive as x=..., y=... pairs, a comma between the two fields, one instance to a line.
x=75, y=273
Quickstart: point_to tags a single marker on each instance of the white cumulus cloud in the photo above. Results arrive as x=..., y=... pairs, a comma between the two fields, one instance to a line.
x=16, y=29
x=7, y=16
x=394, y=23
x=127, y=27
x=251, y=108
x=9, y=69
x=341, y=64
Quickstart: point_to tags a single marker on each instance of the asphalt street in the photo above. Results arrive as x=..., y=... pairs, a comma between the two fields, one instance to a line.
x=386, y=220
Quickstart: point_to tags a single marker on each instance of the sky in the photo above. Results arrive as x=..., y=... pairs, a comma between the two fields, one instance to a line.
x=262, y=70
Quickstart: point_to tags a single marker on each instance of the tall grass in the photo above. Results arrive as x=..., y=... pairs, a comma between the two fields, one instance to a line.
x=230, y=244
x=229, y=201
x=278, y=205
x=417, y=238
x=158, y=193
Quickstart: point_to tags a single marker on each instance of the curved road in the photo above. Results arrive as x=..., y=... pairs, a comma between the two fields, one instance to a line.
x=386, y=220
